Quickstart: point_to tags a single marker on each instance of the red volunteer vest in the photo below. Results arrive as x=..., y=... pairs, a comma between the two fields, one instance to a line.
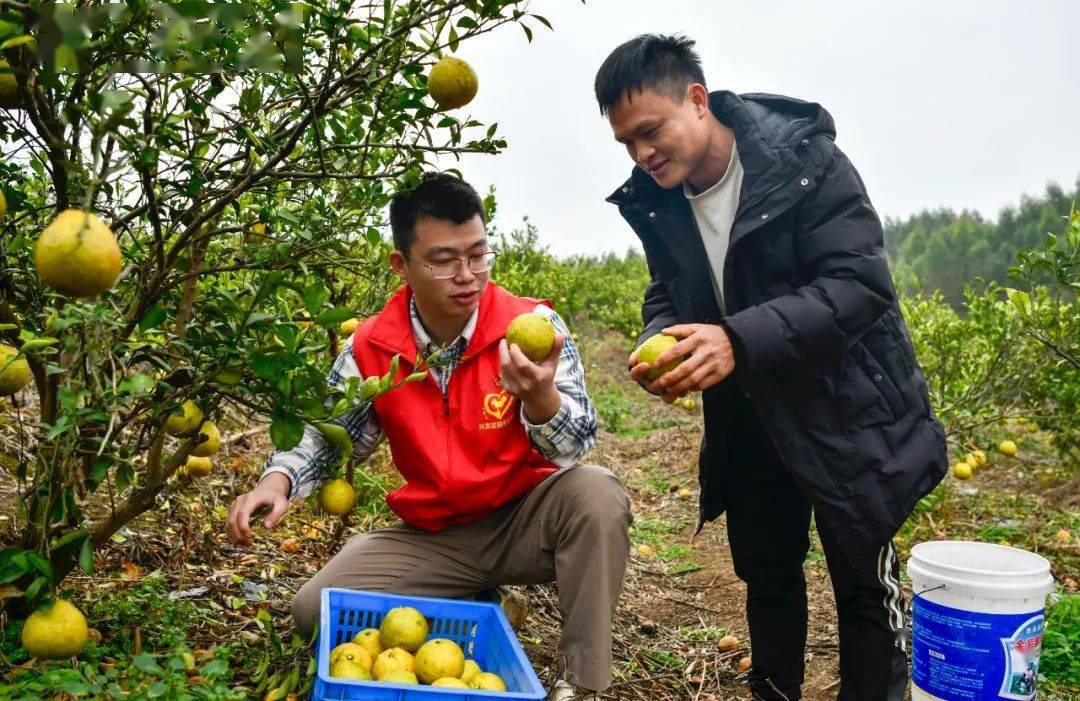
x=464, y=454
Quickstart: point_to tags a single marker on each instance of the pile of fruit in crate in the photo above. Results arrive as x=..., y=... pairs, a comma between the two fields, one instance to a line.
x=399, y=652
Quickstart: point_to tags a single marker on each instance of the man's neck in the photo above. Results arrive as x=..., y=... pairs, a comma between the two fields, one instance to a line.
x=442, y=331
x=714, y=162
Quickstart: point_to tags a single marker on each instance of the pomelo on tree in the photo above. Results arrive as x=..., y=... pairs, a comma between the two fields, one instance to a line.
x=77, y=254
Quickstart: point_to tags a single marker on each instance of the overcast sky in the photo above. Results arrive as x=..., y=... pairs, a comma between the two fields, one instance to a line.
x=960, y=103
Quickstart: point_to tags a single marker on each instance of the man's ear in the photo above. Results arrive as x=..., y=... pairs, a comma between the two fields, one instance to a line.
x=699, y=97
x=397, y=263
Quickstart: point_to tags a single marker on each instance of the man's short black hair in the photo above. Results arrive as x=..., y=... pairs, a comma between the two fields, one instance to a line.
x=439, y=195
x=664, y=63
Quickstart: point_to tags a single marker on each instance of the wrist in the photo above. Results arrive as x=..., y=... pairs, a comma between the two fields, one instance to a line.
x=278, y=482
x=542, y=404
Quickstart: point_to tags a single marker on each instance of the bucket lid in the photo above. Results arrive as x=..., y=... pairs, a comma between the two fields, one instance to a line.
x=984, y=569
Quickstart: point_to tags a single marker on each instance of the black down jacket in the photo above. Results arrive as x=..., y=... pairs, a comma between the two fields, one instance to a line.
x=821, y=348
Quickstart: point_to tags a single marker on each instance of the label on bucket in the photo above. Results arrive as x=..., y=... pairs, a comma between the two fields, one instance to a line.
x=970, y=656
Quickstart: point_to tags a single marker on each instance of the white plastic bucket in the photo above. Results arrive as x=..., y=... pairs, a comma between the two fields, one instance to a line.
x=977, y=620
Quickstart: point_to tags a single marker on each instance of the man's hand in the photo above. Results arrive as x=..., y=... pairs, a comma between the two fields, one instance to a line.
x=711, y=358
x=638, y=372
x=272, y=491
x=532, y=383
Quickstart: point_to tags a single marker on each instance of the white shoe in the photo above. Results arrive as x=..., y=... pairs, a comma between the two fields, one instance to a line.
x=565, y=691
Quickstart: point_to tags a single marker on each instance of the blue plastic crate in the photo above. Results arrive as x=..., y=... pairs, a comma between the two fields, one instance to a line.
x=480, y=629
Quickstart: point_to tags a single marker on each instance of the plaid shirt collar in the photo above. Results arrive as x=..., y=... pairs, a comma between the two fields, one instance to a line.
x=423, y=339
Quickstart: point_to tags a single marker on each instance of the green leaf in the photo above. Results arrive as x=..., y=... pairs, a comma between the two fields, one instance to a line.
x=286, y=431
x=40, y=564
x=37, y=344
x=271, y=366
x=136, y=384
x=333, y=317
x=152, y=318
x=73, y=537
x=314, y=297
x=146, y=663
x=35, y=588
x=86, y=556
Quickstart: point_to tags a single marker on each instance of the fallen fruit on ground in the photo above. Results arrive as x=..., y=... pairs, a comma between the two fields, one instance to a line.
x=727, y=643
x=439, y=658
x=209, y=440
x=452, y=83
x=77, y=254
x=184, y=420
x=651, y=349
x=337, y=497
x=14, y=370
x=56, y=631
x=393, y=659
x=533, y=333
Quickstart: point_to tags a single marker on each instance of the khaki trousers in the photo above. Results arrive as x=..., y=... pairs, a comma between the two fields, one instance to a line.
x=571, y=529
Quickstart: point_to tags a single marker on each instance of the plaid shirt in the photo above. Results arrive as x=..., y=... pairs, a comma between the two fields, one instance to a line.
x=564, y=439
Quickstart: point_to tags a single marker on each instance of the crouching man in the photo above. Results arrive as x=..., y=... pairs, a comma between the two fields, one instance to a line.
x=489, y=445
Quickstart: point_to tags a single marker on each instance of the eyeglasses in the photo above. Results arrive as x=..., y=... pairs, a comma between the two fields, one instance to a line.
x=446, y=269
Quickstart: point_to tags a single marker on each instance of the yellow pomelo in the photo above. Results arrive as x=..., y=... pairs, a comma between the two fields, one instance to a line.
x=14, y=370
x=348, y=669
x=210, y=440
x=980, y=457
x=651, y=349
x=452, y=83
x=56, y=632
x=403, y=627
x=348, y=326
x=390, y=660
x=533, y=333
x=488, y=682
x=1007, y=448
x=185, y=420
x=370, y=641
x=3, y=205
x=337, y=497
x=400, y=676
x=77, y=254
x=470, y=670
x=439, y=658
x=9, y=88
x=450, y=682
x=198, y=466
x=354, y=652
x=961, y=470
x=970, y=459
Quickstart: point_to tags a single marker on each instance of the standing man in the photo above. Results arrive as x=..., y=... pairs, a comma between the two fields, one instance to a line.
x=489, y=445
x=767, y=262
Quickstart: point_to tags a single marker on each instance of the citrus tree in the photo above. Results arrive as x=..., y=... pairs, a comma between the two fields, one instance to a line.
x=207, y=234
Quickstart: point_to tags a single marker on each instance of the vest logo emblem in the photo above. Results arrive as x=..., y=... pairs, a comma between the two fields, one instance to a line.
x=497, y=405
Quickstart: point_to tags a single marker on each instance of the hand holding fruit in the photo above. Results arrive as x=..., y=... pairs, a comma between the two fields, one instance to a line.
x=272, y=491
x=644, y=368
x=711, y=358
x=527, y=373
